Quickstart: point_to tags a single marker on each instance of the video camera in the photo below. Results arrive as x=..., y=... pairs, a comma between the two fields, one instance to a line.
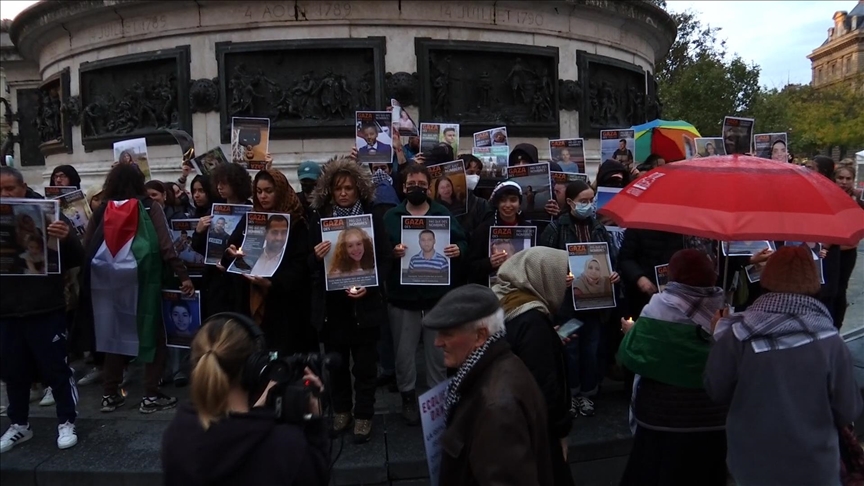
x=289, y=397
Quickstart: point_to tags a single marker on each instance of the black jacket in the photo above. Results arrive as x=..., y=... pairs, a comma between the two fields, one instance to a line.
x=530, y=152
x=249, y=449
x=478, y=208
x=478, y=264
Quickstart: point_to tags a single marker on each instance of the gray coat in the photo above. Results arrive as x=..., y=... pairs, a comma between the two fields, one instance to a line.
x=784, y=409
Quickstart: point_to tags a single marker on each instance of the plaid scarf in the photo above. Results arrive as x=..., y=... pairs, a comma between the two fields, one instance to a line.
x=355, y=210
x=454, y=394
x=780, y=321
x=699, y=304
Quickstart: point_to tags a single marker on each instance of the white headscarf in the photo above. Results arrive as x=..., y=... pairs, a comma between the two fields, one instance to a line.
x=540, y=272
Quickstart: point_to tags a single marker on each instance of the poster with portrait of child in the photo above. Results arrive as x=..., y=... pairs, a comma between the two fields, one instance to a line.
x=351, y=260
x=181, y=315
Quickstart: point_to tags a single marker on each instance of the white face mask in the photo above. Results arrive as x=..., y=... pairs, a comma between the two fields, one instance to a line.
x=471, y=181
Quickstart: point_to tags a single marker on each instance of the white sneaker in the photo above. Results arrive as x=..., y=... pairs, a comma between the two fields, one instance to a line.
x=14, y=436
x=66, y=436
x=35, y=394
x=48, y=399
x=92, y=376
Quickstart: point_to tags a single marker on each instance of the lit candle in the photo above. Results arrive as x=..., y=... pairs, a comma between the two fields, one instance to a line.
x=570, y=274
x=240, y=250
x=354, y=290
x=629, y=320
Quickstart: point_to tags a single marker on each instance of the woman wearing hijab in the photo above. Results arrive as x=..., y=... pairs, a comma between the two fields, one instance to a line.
x=591, y=281
x=679, y=436
x=279, y=304
x=350, y=320
x=531, y=295
x=65, y=176
x=579, y=225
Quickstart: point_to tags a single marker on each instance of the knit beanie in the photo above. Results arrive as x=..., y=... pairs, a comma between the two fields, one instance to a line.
x=692, y=267
x=506, y=188
x=791, y=270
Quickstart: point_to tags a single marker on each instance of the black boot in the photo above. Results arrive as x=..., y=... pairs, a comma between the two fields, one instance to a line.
x=410, y=411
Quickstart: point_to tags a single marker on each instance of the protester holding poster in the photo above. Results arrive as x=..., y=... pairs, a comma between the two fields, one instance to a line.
x=224, y=219
x=738, y=135
x=263, y=244
x=569, y=153
x=506, y=200
x=24, y=238
x=182, y=231
x=206, y=162
x=592, y=284
x=449, y=186
x=250, y=142
x=428, y=266
x=353, y=256
x=133, y=152
x=77, y=211
x=53, y=192
x=536, y=184
x=181, y=315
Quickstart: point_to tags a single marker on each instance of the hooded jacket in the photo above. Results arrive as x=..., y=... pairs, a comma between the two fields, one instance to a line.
x=249, y=448
x=68, y=171
x=607, y=169
x=335, y=307
x=529, y=151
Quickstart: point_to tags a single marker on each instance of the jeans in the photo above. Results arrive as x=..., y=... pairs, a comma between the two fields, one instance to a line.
x=583, y=367
x=407, y=331
x=36, y=344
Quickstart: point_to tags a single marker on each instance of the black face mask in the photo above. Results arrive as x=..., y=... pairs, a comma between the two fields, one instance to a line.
x=184, y=200
x=416, y=195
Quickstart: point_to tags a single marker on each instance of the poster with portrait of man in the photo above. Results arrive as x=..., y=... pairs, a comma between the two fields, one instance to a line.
x=509, y=240
x=424, y=239
x=224, y=218
x=536, y=184
x=771, y=146
x=618, y=145
x=449, y=187
x=373, y=139
x=351, y=260
x=709, y=146
x=569, y=153
x=250, y=142
x=738, y=135
x=431, y=134
x=133, y=152
x=206, y=162
x=560, y=180
x=182, y=231
x=263, y=244
x=591, y=268
x=23, y=238
x=181, y=315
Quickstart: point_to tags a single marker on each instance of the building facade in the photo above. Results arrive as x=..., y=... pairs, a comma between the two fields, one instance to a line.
x=90, y=73
x=840, y=59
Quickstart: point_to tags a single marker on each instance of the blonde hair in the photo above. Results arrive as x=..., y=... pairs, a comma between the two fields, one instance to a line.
x=219, y=352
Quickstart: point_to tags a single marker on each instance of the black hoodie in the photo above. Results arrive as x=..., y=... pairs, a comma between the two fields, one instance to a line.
x=529, y=151
x=249, y=449
x=70, y=172
x=612, y=167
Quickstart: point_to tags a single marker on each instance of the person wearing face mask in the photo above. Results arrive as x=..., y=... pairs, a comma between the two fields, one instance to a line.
x=579, y=225
x=478, y=208
x=507, y=200
x=308, y=173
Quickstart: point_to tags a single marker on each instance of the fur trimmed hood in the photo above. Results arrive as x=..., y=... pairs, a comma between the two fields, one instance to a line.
x=321, y=196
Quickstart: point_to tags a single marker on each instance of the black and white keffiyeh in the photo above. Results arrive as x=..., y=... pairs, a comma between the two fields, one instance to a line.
x=453, y=392
x=697, y=303
x=355, y=210
x=780, y=321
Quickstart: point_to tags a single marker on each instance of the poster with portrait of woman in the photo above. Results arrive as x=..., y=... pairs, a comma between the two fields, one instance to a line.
x=402, y=120
x=592, y=276
x=709, y=146
x=351, y=260
x=182, y=317
x=250, y=142
x=448, y=187
x=23, y=238
x=771, y=146
x=133, y=152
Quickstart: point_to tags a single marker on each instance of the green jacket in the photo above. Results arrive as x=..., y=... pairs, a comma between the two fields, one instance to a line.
x=420, y=297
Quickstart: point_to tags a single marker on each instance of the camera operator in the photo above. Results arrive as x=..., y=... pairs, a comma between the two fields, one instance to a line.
x=219, y=439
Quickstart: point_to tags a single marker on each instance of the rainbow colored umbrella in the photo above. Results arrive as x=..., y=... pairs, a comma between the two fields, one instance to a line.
x=672, y=140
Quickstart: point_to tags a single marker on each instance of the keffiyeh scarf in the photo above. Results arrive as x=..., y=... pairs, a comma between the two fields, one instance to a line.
x=699, y=304
x=355, y=210
x=454, y=394
x=780, y=321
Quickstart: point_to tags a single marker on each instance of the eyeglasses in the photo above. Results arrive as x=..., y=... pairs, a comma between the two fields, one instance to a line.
x=417, y=184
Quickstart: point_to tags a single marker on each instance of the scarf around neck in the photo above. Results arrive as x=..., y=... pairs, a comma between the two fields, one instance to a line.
x=778, y=321
x=355, y=210
x=454, y=392
x=699, y=304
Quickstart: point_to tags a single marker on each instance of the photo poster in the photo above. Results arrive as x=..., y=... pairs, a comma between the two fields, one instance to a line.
x=449, y=187
x=181, y=315
x=745, y=248
x=402, y=119
x=431, y=134
x=689, y=146
x=754, y=272
x=738, y=135
x=23, y=238
x=225, y=218
x=182, y=231
x=592, y=276
x=50, y=213
x=604, y=195
x=53, y=192
x=771, y=146
x=433, y=420
x=206, y=162
x=351, y=259
x=814, y=248
x=661, y=276
x=709, y=146
x=536, y=184
x=495, y=161
x=133, y=152
x=374, y=144
x=250, y=142
x=424, y=239
x=493, y=137
x=263, y=244
x=569, y=153
x=560, y=180
x=618, y=145
x=510, y=240
x=74, y=206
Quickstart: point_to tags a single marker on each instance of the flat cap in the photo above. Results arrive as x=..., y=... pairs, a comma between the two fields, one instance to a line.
x=460, y=306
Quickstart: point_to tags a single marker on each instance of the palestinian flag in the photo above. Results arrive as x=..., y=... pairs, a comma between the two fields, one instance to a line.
x=125, y=282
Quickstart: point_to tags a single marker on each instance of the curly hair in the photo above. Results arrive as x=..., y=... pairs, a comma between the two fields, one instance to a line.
x=342, y=262
x=125, y=181
x=236, y=177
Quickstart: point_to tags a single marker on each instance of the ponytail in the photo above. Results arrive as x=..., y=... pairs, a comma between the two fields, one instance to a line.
x=210, y=387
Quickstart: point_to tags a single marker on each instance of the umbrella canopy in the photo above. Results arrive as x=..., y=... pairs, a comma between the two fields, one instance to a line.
x=672, y=140
x=739, y=198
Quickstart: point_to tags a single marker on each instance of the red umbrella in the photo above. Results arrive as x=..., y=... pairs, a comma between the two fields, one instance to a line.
x=739, y=198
